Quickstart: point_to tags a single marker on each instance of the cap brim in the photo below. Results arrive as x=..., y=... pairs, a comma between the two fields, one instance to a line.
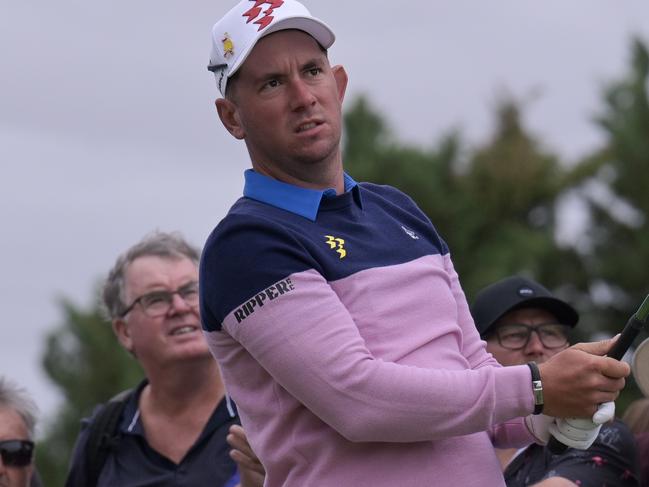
x=565, y=314
x=640, y=367
x=315, y=28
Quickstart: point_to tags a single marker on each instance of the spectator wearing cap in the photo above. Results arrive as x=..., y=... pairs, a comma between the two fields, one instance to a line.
x=523, y=322
x=17, y=426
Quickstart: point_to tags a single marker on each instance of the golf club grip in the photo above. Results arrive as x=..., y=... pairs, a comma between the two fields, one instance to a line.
x=624, y=341
x=626, y=338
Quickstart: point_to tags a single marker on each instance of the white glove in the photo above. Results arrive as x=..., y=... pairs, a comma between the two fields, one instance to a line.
x=581, y=433
x=538, y=425
x=605, y=413
x=575, y=432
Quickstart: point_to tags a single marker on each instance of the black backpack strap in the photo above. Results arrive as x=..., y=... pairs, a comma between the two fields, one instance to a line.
x=103, y=434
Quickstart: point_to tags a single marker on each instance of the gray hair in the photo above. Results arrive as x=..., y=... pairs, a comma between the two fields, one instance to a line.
x=159, y=244
x=16, y=398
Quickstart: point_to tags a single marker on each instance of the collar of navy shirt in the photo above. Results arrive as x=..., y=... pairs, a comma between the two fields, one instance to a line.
x=301, y=201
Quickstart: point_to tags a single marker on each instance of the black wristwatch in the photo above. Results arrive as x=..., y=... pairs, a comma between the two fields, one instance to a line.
x=537, y=387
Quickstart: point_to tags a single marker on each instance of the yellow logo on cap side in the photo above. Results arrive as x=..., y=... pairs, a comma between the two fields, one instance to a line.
x=228, y=46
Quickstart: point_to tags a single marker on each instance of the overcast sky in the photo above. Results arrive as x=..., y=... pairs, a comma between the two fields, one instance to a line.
x=108, y=131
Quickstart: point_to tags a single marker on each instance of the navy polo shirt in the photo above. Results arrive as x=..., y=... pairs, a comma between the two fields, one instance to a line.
x=134, y=463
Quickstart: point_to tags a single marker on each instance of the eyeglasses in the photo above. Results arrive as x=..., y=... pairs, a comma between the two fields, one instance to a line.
x=158, y=303
x=517, y=336
x=17, y=453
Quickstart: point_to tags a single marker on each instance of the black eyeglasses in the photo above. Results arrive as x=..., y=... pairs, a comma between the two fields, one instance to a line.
x=158, y=303
x=517, y=336
x=17, y=453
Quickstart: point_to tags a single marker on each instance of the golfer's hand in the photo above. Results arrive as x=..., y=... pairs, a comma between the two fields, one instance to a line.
x=577, y=380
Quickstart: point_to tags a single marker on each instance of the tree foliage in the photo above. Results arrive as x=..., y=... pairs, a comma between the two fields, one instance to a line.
x=619, y=233
x=495, y=207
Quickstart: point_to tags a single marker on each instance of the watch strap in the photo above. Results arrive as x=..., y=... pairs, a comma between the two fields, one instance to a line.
x=537, y=387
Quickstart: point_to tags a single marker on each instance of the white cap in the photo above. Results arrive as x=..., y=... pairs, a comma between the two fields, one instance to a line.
x=640, y=366
x=234, y=36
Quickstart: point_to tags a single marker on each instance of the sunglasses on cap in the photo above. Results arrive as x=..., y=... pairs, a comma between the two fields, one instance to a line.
x=16, y=453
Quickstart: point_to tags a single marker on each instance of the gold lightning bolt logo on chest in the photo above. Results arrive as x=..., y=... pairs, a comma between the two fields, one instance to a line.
x=338, y=244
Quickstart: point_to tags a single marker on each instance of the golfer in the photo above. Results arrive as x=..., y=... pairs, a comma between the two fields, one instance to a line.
x=333, y=307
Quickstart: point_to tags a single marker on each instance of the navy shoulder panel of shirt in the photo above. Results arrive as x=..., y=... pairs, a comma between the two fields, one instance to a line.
x=257, y=245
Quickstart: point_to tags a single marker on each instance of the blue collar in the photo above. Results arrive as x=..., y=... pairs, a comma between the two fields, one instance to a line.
x=301, y=201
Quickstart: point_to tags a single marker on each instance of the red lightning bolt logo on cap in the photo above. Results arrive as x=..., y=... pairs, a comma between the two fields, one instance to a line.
x=256, y=9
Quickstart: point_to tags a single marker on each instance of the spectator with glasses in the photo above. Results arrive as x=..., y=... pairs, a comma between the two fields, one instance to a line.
x=17, y=426
x=521, y=322
x=173, y=427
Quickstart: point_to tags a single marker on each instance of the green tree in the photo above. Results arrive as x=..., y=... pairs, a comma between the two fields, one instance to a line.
x=614, y=181
x=85, y=361
x=619, y=233
x=512, y=187
x=494, y=205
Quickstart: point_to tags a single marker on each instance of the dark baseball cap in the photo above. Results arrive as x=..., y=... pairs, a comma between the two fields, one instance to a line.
x=516, y=292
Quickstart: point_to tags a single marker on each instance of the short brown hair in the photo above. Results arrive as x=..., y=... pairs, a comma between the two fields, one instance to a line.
x=169, y=245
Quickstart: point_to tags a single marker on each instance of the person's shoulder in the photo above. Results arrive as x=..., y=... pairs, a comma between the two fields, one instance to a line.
x=245, y=206
x=108, y=415
x=244, y=255
x=225, y=414
x=402, y=207
x=97, y=431
x=385, y=195
x=250, y=220
x=617, y=435
x=241, y=237
x=383, y=190
x=616, y=427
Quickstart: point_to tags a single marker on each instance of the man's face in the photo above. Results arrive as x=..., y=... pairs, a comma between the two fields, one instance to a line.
x=12, y=427
x=286, y=105
x=167, y=338
x=535, y=349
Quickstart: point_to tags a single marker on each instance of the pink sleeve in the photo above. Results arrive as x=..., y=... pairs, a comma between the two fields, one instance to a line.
x=308, y=342
x=509, y=434
x=473, y=348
